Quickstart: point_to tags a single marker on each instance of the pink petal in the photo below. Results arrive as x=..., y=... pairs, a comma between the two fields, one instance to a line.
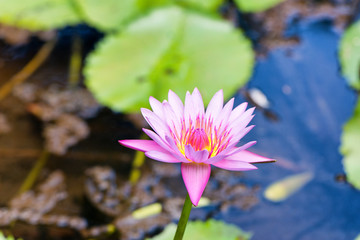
x=141, y=145
x=242, y=121
x=198, y=102
x=196, y=156
x=242, y=148
x=157, y=124
x=246, y=156
x=171, y=119
x=215, y=105
x=189, y=109
x=223, y=116
x=157, y=139
x=240, y=134
x=176, y=104
x=237, y=112
x=233, y=165
x=177, y=152
x=156, y=107
x=162, y=156
x=215, y=159
x=195, y=176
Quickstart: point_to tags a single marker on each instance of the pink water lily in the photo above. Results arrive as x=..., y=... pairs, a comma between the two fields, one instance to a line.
x=196, y=138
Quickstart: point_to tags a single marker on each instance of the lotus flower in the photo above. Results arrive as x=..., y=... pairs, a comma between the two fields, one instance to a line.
x=196, y=138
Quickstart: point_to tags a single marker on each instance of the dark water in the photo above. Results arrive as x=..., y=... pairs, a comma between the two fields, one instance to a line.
x=313, y=102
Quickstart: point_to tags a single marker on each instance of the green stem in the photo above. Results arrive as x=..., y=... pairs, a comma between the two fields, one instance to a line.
x=138, y=162
x=29, y=68
x=34, y=173
x=183, y=219
x=75, y=61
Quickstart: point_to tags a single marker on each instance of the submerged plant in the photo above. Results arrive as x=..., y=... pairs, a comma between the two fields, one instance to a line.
x=187, y=134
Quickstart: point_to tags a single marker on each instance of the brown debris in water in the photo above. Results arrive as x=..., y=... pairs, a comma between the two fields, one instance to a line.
x=62, y=110
x=32, y=206
x=134, y=229
x=102, y=190
x=50, y=103
x=228, y=192
x=19, y=36
x=4, y=124
x=270, y=25
x=65, y=132
x=101, y=186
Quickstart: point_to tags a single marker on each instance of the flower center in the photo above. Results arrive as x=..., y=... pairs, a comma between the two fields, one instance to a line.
x=199, y=139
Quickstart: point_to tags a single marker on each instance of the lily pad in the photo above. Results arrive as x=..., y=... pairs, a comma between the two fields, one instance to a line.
x=209, y=230
x=111, y=15
x=350, y=148
x=36, y=15
x=209, y=5
x=256, y=5
x=349, y=54
x=107, y=15
x=171, y=48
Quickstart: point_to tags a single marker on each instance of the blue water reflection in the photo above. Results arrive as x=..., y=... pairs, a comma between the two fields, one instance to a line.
x=313, y=102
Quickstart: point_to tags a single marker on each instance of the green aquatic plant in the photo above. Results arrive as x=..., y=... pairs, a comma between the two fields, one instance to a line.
x=284, y=188
x=349, y=55
x=350, y=149
x=37, y=15
x=209, y=230
x=9, y=237
x=256, y=5
x=113, y=15
x=169, y=48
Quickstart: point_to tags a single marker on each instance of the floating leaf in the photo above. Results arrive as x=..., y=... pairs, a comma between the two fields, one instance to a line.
x=349, y=54
x=282, y=189
x=209, y=5
x=111, y=15
x=36, y=15
x=171, y=48
x=209, y=230
x=350, y=140
x=256, y=5
x=147, y=211
x=357, y=237
x=204, y=202
x=107, y=15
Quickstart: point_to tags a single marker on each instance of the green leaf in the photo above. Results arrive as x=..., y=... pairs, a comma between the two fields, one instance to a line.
x=209, y=230
x=256, y=5
x=9, y=237
x=350, y=55
x=350, y=148
x=36, y=15
x=357, y=237
x=171, y=48
x=284, y=188
x=206, y=5
x=110, y=15
x=147, y=211
x=107, y=15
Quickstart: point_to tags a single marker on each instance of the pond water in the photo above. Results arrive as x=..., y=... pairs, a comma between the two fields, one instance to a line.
x=312, y=101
